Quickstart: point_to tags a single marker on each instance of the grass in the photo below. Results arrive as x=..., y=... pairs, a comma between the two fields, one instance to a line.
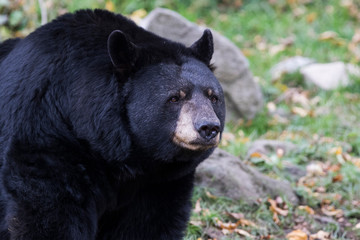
x=328, y=136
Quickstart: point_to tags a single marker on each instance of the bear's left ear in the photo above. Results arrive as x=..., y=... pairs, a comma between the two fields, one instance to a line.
x=123, y=53
x=203, y=48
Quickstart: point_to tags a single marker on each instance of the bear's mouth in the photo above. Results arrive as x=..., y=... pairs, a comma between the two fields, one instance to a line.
x=198, y=144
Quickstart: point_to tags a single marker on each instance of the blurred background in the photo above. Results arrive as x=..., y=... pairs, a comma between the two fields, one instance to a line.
x=321, y=124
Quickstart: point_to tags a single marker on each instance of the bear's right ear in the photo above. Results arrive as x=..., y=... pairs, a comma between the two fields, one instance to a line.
x=123, y=53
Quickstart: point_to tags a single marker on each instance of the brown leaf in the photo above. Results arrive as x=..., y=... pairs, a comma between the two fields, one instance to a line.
x=337, y=178
x=297, y=235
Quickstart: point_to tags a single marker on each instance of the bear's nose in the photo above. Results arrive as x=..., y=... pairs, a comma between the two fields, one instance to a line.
x=208, y=130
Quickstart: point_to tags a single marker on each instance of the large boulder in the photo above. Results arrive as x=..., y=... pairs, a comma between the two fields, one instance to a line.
x=243, y=95
x=226, y=175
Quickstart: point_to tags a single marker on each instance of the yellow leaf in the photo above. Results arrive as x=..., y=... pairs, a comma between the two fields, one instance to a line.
x=227, y=226
x=297, y=235
x=209, y=195
x=307, y=209
x=311, y=17
x=109, y=5
x=275, y=208
x=140, y=13
x=137, y=15
x=243, y=233
x=256, y=154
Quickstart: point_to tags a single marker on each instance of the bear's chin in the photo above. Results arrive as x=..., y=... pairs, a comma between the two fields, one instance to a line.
x=197, y=145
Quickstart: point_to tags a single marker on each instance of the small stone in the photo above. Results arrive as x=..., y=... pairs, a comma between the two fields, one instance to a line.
x=327, y=76
x=290, y=65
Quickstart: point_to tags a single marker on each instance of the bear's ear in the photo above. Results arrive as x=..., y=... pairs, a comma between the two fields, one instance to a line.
x=203, y=48
x=123, y=53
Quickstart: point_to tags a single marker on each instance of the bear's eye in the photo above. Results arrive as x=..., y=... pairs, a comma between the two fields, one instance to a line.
x=214, y=99
x=174, y=99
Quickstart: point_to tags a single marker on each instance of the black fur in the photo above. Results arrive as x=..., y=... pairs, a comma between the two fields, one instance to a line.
x=86, y=129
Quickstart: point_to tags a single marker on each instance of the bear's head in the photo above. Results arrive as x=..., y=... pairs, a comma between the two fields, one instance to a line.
x=174, y=105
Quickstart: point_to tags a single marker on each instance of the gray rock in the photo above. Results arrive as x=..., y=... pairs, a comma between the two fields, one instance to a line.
x=290, y=65
x=227, y=175
x=265, y=146
x=242, y=93
x=327, y=76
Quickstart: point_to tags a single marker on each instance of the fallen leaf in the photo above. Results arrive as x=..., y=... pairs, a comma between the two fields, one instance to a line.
x=315, y=169
x=357, y=226
x=337, y=178
x=331, y=211
x=227, y=226
x=197, y=208
x=297, y=235
x=334, y=168
x=244, y=222
x=271, y=107
x=137, y=15
x=196, y=223
x=256, y=154
x=332, y=37
x=320, y=235
x=336, y=150
x=311, y=17
x=280, y=152
x=275, y=209
x=243, y=233
x=109, y=5
x=328, y=35
x=307, y=209
x=275, y=49
x=209, y=195
x=300, y=111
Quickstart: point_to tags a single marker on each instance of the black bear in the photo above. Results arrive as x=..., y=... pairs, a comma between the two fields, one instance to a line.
x=102, y=125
